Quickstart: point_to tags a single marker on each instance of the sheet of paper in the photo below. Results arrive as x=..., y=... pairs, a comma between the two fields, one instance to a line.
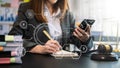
x=64, y=53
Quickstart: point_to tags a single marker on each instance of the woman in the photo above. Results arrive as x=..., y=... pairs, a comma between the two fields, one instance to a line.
x=60, y=22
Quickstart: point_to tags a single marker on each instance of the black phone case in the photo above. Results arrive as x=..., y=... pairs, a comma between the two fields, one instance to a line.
x=84, y=23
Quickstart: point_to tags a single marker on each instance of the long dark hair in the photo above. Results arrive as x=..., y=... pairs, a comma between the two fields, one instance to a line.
x=38, y=6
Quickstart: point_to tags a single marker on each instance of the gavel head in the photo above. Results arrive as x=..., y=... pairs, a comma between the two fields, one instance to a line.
x=104, y=49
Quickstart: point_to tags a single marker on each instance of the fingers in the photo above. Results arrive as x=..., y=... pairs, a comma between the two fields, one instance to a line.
x=52, y=46
x=56, y=48
x=77, y=33
x=83, y=35
x=49, y=49
x=80, y=32
x=88, y=29
x=54, y=43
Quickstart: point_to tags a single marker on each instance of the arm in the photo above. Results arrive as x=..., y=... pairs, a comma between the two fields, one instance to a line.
x=17, y=30
x=74, y=38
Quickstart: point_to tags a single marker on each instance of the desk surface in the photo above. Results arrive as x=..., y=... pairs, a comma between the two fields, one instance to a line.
x=45, y=61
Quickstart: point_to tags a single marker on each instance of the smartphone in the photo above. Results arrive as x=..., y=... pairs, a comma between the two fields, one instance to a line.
x=84, y=23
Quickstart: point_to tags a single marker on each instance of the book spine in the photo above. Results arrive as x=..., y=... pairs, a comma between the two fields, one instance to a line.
x=10, y=48
x=14, y=44
x=9, y=38
x=4, y=60
x=16, y=60
x=3, y=43
x=10, y=60
x=2, y=37
x=9, y=54
x=18, y=38
x=5, y=54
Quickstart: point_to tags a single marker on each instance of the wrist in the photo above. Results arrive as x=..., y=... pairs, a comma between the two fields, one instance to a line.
x=87, y=40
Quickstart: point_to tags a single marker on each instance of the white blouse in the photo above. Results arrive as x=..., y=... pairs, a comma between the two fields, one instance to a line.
x=53, y=23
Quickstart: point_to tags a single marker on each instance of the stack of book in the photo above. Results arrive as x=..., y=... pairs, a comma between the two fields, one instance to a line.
x=11, y=48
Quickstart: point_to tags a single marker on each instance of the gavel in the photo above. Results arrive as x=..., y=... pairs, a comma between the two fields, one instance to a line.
x=104, y=53
x=104, y=49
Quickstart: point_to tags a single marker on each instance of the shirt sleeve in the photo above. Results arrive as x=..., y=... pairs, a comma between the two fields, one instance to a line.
x=18, y=30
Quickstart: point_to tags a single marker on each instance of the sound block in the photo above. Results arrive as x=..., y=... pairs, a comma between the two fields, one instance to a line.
x=104, y=57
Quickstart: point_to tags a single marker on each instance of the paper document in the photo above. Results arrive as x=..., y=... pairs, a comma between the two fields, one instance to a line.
x=64, y=53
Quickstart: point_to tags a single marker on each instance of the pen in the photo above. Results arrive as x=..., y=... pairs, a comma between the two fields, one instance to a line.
x=46, y=33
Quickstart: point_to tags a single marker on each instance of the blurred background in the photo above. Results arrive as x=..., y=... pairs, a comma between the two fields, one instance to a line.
x=106, y=14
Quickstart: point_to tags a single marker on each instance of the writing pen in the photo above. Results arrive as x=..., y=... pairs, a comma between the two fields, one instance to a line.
x=46, y=33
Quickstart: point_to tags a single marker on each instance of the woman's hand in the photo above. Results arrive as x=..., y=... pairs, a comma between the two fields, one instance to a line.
x=51, y=46
x=83, y=35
